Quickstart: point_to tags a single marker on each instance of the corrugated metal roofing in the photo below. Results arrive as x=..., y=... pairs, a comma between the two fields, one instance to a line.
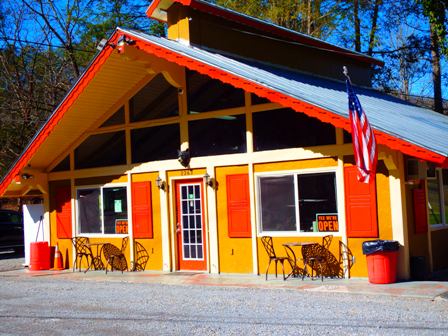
x=416, y=125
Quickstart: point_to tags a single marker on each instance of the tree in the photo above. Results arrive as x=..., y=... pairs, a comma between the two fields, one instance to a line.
x=44, y=47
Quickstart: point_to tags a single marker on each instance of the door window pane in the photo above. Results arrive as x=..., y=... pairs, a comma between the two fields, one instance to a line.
x=317, y=195
x=277, y=203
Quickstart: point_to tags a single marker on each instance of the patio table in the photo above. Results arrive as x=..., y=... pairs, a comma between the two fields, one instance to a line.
x=296, y=270
x=96, y=258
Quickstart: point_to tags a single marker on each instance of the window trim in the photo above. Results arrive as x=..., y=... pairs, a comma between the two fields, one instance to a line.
x=101, y=234
x=443, y=217
x=295, y=172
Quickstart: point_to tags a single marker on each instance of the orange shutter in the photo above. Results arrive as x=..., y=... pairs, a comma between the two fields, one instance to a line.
x=64, y=212
x=141, y=210
x=360, y=206
x=238, y=206
x=420, y=215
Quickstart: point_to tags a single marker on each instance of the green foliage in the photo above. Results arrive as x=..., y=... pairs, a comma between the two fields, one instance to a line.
x=435, y=10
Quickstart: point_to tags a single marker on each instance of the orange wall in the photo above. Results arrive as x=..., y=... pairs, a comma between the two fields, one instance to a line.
x=235, y=254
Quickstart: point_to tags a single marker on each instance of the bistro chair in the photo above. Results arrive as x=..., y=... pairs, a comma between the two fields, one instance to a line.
x=313, y=257
x=346, y=259
x=269, y=247
x=141, y=257
x=82, y=250
x=115, y=257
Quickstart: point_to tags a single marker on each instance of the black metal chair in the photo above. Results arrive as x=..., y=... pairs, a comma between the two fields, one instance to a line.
x=269, y=247
x=82, y=250
x=346, y=259
x=115, y=257
x=141, y=257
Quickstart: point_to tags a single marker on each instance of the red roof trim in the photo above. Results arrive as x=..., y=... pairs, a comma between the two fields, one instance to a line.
x=182, y=60
x=258, y=24
x=285, y=100
x=68, y=101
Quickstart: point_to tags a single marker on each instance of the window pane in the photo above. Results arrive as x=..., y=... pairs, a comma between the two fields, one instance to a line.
x=114, y=207
x=277, y=203
x=206, y=94
x=286, y=128
x=225, y=135
x=317, y=195
x=445, y=192
x=158, y=99
x=89, y=211
x=116, y=119
x=259, y=100
x=63, y=165
x=434, y=200
x=155, y=143
x=101, y=150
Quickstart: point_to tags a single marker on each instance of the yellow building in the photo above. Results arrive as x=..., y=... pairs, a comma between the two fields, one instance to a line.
x=232, y=129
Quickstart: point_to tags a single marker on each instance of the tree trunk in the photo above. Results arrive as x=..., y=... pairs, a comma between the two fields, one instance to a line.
x=436, y=69
x=374, y=26
x=357, y=26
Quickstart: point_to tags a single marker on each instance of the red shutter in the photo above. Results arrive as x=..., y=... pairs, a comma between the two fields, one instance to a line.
x=420, y=215
x=360, y=206
x=142, y=210
x=64, y=212
x=238, y=206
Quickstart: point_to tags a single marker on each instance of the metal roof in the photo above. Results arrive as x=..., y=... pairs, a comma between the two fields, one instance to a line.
x=398, y=118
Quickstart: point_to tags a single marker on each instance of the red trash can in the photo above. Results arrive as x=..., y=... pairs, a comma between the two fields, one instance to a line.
x=382, y=256
x=39, y=256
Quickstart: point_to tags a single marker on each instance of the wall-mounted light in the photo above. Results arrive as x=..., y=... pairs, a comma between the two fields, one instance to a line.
x=184, y=157
x=210, y=181
x=161, y=184
x=26, y=176
x=123, y=41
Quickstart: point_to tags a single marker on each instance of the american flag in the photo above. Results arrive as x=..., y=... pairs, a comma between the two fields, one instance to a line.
x=364, y=143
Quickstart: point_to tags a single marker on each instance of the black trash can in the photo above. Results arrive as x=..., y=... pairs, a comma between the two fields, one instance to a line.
x=382, y=258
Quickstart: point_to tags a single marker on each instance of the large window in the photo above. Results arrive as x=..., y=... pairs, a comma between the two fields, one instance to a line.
x=292, y=202
x=221, y=135
x=155, y=143
x=438, y=197
x=101, y=150
x=286, y=128
x=206, y=94
x=157, y=99
x=102, y=210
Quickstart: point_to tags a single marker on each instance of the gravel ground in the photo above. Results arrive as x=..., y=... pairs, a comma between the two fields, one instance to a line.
x=45, y=306
x=50, y=306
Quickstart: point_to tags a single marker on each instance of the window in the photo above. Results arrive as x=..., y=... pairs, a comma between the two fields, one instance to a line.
x=221, y=135
x=206, y=94
x=116, y=119
x=102, y=210
x=155, y=143
x=438, y=198
x=286, y=128
x=291, y=202
x=101, y=150
x=63, y=165
x=158, y=99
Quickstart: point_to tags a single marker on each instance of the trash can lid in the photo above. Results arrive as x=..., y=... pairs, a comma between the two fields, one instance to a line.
x=373, y=246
